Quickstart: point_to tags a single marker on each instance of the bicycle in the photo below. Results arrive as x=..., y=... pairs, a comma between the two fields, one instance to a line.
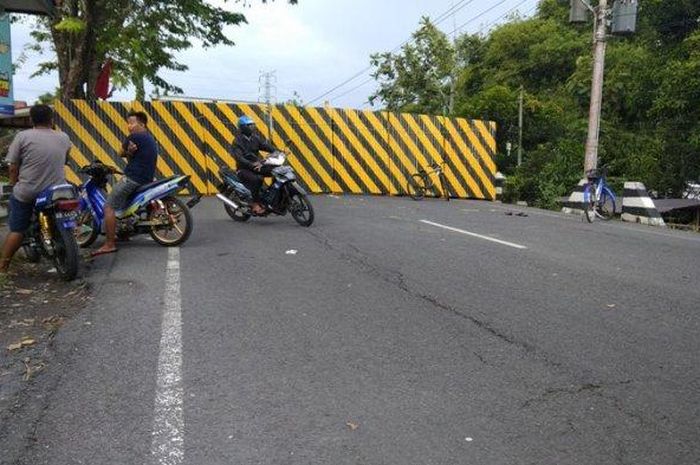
x=421, y=182
x=598, y=198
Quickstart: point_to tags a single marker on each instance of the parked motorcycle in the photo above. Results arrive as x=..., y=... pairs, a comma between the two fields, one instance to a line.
x=51, y=233
x=153, y=209
x=284, y=195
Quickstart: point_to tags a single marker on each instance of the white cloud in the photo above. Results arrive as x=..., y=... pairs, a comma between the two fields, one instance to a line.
x=313, y=46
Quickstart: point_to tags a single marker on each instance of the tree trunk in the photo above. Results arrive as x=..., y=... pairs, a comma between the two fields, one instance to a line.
x=78, y=62
x=94, y=13
x=140, y=89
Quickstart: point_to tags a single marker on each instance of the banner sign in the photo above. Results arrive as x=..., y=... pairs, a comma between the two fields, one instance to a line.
x=7, y=106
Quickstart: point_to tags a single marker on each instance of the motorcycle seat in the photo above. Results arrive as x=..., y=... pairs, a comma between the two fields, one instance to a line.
x=145, y=187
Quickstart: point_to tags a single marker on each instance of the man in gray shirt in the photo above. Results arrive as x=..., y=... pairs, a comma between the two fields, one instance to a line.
x=37, y=158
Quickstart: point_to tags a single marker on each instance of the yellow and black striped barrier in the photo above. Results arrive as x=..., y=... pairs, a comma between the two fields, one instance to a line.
x=332, y=150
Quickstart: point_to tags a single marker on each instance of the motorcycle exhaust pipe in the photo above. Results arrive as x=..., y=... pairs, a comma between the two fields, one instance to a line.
x=227, y=201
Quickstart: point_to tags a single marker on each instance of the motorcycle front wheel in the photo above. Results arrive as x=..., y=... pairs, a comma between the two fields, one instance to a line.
x=301, y=209
x=86, y=230
x=66, y=256
x=177, y=221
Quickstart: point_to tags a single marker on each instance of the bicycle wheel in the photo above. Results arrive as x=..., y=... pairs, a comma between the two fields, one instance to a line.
x=416, y=186
x=605, y=207
x=589, y=203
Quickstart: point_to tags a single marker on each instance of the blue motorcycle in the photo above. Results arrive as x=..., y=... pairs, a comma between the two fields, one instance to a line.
x=51, y=233
x=153, y=209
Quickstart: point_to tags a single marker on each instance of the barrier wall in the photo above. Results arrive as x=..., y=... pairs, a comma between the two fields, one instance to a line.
x=332, y=150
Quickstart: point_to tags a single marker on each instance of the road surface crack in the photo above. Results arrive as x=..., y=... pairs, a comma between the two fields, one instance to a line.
x=594, y=389
x=351, y=254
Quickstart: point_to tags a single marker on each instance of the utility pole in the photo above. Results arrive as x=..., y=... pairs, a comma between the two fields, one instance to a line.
x=268, y=81
x=624, y=20
x=520, y=125
x=600, y=15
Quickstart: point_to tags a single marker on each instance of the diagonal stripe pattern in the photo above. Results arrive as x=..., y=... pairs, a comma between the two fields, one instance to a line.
x=332, y=150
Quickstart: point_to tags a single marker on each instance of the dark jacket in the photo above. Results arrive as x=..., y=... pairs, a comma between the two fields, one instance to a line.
x=245, y=149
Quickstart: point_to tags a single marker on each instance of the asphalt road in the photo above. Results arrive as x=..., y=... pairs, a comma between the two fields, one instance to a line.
x=390, y=332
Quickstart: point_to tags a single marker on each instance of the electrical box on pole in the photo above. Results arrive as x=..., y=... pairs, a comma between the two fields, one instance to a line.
x=579, y=11
x=624, y=17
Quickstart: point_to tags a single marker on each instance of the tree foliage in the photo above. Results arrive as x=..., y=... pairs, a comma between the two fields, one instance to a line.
x=141, y=37
x=651, y=118
x=421, y=75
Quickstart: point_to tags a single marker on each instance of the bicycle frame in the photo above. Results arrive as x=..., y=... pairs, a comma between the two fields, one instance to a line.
x=600, y=187
x=437, y=170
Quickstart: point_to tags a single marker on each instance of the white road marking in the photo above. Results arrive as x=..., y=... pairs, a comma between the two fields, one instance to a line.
x=167, y=447
x=613, y=225
x=486, y=238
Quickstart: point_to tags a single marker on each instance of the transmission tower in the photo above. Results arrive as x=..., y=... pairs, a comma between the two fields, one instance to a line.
x=268, y=91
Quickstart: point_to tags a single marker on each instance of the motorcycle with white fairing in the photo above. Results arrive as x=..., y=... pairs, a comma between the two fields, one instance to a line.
x=285, y=194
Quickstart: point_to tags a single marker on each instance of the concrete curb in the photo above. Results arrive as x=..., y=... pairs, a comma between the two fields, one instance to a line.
x=4, y=197
x=574, y=204
x=638, y=207
x=499, y=182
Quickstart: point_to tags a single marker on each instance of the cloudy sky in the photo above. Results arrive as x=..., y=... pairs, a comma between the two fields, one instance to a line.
x=313, y=47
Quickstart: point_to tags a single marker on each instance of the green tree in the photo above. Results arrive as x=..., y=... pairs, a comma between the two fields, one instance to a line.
x=421, y=77
x=650, y=129
x=48, y=98
x=142, y=37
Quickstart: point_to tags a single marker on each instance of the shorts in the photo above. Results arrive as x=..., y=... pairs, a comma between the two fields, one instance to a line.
x=121, y=192
x=20, y=215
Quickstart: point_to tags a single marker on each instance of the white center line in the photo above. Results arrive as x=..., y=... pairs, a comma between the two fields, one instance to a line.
x=486, y=238
x=168, y=424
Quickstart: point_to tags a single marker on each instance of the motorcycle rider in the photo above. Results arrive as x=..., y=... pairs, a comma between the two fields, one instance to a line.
x=246, y=147
x=37, y=158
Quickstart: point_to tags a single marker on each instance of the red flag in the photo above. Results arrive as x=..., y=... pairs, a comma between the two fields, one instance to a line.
x=102, y=84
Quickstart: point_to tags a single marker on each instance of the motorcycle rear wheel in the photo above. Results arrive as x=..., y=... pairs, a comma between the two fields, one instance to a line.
x=180, y=223
x=66, y=256
x=237, y=214
x=31, y=254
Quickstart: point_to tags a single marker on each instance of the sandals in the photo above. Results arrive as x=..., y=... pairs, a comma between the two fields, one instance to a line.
x=98, y=252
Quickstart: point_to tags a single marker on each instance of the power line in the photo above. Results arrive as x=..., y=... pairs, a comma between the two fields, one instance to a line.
x=350, y=79
x=440, y=18
x=450, y=11
x=353, y=89
x=512, y=10
x=368, y=80
x=485, y=12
